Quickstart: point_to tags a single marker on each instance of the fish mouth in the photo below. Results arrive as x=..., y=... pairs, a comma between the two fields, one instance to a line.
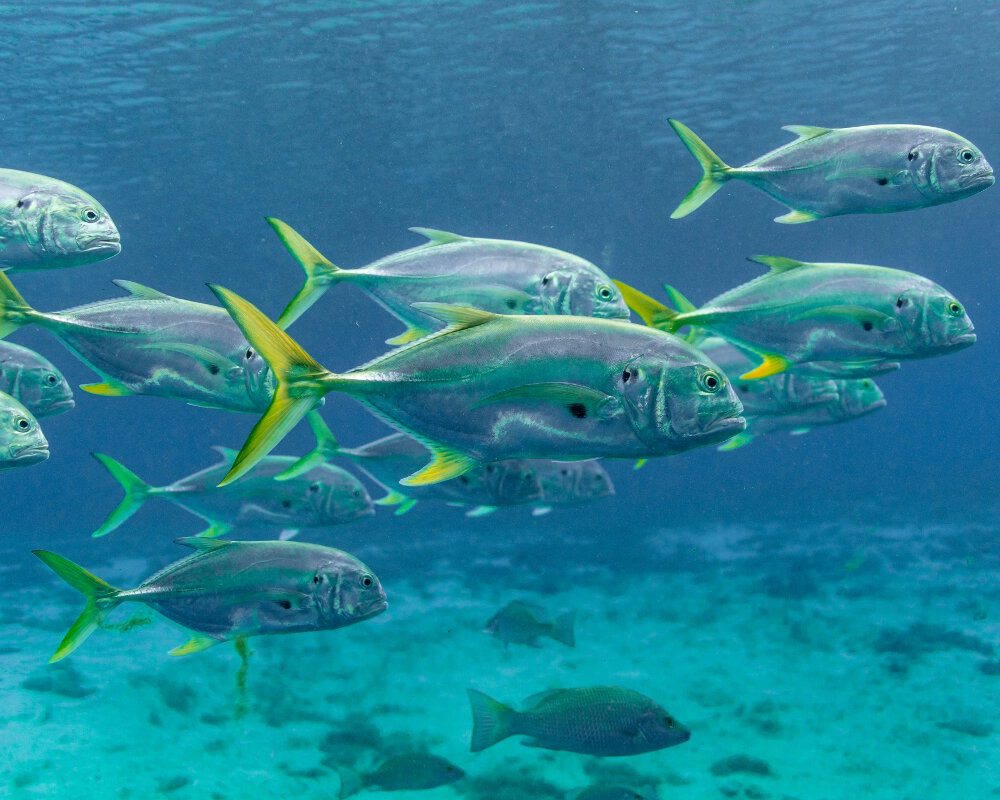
x=875, y=405
x=375, y=609
x=962, y=340
x=60, y=407
x=737, y=424
x=978, y=180
x=32, y=454
x=101, y=243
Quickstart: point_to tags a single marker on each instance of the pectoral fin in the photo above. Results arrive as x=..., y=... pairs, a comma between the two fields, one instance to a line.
x=195, y=644
x=868, y=318
x=738, y=441
x=541, y=511
x=211, y=360
x=580, y=401
x=772, y=365
x=480, y=511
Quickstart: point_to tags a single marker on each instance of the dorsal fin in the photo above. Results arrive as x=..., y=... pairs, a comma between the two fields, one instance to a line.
x=457, y=317
x=806, y=131
x=436, y=237
x=779, y=264
x=226, y=452
x=138, y=290
x=202, y=544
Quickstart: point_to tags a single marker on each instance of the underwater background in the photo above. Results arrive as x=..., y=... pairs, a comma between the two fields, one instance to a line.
x=821, y=611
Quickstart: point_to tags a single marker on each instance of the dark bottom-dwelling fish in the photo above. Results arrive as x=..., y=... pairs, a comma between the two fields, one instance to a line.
x=228, y=590
x=601, y=792
x=597, y=721
x=411, y=772
x=523, y=623
x=33, y=380
x=322, y=496
x=22, y=442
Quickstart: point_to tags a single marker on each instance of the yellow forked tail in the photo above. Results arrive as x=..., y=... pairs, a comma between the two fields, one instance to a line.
x=654, y=313
x=717, y=172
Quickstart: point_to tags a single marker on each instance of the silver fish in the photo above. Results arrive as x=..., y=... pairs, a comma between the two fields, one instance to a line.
x=22, y=443
x=33, y=380
x=230, y=590
x=570, y=483
x=48, y=224
x=872, y=169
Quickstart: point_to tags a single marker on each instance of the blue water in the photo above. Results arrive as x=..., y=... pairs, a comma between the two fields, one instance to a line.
x=826, y=603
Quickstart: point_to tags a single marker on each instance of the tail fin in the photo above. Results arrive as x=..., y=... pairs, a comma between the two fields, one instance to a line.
x=652, y=312
x=136, y=492
x=101, y=598
x=14, y=311
x=302, y=382
x=350, y=782
x=717, y=172
x=320, y=273
x=326, y=448
x=562, y=628
x=490, y=720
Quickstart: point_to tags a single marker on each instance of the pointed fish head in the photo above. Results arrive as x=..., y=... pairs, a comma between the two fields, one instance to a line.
x=45, y=390
x=948, y=166
x=337, y=496
x=660, y=729
x=346, y=591
x=512, y=481
x=581, y=294
x=22, y=442
x=64, y=226
x=858, y=398
x=260, y=381
x=934, y=322
x=677, y=404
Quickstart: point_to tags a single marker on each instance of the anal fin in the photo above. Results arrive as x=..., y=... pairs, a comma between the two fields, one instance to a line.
x=772, y=365
x=795, y=217
x=195, y=644
x=107, y=389
x=445, y=464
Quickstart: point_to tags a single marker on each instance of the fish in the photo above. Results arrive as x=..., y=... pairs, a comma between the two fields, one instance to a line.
x=486, y=487
x=22, y=442
x=47, y=223
x=870, y=169
x=523, y=623
x=597, y=721
x=492, y=386
x=857, y=315
x=601, y=792
x=227, y=591
x=505, y=277
x=149, y=343
x=410, y=772
x=570, y=483
x=33, y=380
x=323, y=496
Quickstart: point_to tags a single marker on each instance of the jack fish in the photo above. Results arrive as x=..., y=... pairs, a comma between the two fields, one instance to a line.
x=150, y=343
x=491, y=386
x=34, y=381
x=872, y=169
x=230, y=590
x=22, y=443
x=492, y=274
x=570, y=483
x=597, y=721
x=859, y=316
x=47, y=224
x=322, y=496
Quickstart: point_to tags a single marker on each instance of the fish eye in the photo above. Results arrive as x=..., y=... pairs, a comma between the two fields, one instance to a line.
x=669, y=721
x=545, y=280
x=711, y=382
x=314, y=486
x=954, y=309
x=22, y=424
x=604, y=292
x=966, y=156
x=357, y=493
x=626, y=375
x=901, y=302
x=89, y=215
x=367, y=581
x=51, y=379
x=249, y=353
x=913, y=154
x=317, y=579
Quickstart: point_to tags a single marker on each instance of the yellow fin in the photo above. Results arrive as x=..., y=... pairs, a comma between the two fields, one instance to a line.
x=393, y=498
x=772, y=365
x=411, y=334
x=738, y=441
x=195, y=644
x=640, y=463
x=445, y=465
x=795, y=217
x=650, y=311
x=106, y=389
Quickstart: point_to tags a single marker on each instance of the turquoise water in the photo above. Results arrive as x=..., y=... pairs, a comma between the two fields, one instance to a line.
x=824, y=606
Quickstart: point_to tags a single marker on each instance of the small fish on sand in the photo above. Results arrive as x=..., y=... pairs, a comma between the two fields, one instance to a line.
x=871, y=169
x=34, y=381
x=609, y=793
x=411, y=772
x=227, y=591
x=597, y=721
x=524, y=623
x=22, y=442
x=47, y=223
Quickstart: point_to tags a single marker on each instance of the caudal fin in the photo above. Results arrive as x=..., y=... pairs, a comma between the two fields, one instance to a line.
x=302, y=382
x=101, y=598
x=717, y=172
x=326, y=448
x=654, y=313
x=490, y=720
x=14, y=311
x=350, y=782
x=136, y=492
x=562, y=628
x=320, y=273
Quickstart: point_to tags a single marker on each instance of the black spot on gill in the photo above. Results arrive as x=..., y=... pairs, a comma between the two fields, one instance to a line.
x=578, y=410
x=285, y=604
x=512, y=303
x=286, y=503
x=213, y=369
x=866, y=325
x=881, y=181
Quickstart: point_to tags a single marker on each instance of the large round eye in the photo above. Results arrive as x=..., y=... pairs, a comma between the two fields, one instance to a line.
x=51, y=379
x=669, y=721
x=367, y=581
x=89, y=215
x=23, y=424
x=357, y=493
x=604, y=292
x=954, y=309
x=966, y=156
x=626, y=375
x=249, y=354
x=317, y=579
x=901, y=301
x=711, y=382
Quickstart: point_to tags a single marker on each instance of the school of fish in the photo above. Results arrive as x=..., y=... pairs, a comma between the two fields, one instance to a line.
x=517, y=370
